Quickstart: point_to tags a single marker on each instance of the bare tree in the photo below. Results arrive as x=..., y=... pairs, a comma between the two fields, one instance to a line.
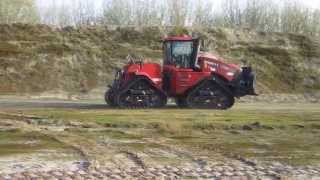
x=262, y=15
x=232, y=13
x=294, y=18
x=84, y=12
x=117, y=12
x=203, y=14
x=13, y=11
x=178, y=12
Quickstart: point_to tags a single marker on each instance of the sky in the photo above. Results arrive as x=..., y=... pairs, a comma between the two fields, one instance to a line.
x=312, y=3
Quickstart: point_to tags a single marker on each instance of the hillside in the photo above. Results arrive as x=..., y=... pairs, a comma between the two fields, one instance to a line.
x=36, y=59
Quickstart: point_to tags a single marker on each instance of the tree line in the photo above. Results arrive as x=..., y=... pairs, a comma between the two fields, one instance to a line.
x=262, y=15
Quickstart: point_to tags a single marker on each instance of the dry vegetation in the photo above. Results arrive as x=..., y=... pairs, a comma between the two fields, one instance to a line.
x=40, y=58
x=280, y=42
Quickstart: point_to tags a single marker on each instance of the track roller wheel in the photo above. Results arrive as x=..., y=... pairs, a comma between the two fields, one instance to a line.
x=209, y=95
x=141, y=94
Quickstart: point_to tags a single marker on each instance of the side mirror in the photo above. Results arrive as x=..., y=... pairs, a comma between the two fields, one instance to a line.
x=203, y=46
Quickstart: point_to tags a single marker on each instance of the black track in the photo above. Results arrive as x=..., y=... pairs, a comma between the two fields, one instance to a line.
x=140, y=94
x=207, y=95
x=109, y=98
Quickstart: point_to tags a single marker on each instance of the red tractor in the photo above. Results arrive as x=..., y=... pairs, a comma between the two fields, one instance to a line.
x=193, y=78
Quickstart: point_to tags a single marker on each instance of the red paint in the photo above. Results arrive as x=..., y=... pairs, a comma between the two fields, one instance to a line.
x=207, y=60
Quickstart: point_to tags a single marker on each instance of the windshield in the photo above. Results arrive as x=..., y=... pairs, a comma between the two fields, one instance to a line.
x=182, y=48
x=182, y=53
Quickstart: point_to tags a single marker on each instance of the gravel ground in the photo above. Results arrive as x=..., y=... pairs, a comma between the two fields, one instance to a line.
x=241, y=171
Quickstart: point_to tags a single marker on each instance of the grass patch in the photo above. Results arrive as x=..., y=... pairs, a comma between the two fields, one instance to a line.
x=19, y=142
x=269, y=132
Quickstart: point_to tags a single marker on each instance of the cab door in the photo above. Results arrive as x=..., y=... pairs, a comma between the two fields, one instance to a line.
x=179, y=72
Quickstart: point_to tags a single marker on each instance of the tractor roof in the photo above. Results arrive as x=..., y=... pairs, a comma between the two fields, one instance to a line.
x=179, y=38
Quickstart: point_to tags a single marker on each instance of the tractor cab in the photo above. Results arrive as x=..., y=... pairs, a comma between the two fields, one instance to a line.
x=180, y=70
x=181, y=51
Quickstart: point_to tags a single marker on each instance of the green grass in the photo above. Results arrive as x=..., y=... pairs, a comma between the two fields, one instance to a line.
x=188, y=119
x=12, y=143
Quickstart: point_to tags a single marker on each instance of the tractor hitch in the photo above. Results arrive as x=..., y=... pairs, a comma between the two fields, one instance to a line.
x=245, y=83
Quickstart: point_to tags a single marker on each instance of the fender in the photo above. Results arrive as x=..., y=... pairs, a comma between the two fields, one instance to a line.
x=155, y=81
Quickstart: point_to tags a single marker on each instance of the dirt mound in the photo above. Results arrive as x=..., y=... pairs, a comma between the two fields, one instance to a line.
x=39, y=58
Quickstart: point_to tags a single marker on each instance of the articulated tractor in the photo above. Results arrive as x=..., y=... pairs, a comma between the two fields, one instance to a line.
x=193, y=78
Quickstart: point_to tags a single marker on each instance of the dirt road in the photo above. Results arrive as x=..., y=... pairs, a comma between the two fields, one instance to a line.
x=88, y=140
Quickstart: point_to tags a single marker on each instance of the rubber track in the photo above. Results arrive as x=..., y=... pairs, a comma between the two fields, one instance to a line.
x=139, y=107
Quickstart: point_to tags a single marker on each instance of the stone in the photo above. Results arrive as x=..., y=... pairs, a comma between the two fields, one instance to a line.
x=219, y=169
x=270, y=172
x=57, y=174
x=205, y=175
x=115, y=177
x=17, y=176
x=277, y=164
x=160, y=175
x=252, y=177
x=260, y=168
x=247, y=127
x=239, y=173
x=69, y=173
x=66, y=178
x=250, y=172
x=105, y=172
x=134, y=174
x=192, y=175
x=198, y=170
x=228, y=168
x=97, y=174
x=151, y=169
x=140, y=170
x=186, y=169
x=179, y=173
x=208, y=169
x=159, y=167
x=54, y=178
x=46, y=175
x=117, y=171
x=250, y=168
x=78, y=177
x=82, y=173
x=7, y=177
x=174, y=169
x=260, y=173
x=227, y=173
x=148, y=174
x=313, y=171
x=216, y=174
